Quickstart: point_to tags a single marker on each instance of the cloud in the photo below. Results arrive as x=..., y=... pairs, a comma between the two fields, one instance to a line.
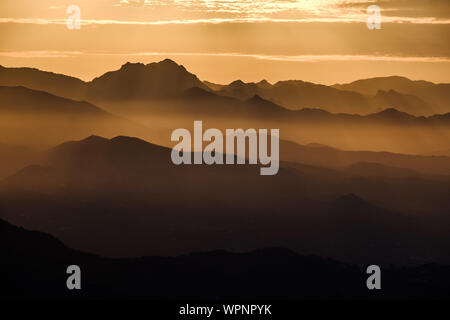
x=405, y=8
x=348, y=19
x=287, y=58
x=152, y=12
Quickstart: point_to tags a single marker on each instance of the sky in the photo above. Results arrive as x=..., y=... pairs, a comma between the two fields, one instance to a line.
x=323, y=41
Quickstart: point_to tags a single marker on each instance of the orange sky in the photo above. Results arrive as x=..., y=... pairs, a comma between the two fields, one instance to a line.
x=324, y=41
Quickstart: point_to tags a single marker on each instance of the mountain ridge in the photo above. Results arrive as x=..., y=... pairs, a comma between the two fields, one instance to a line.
x=137, y=81
x=36, y=269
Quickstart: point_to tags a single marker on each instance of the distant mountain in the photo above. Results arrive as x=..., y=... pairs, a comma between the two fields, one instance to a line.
x=132, y=81
x=240, y=90
x=372, y=85
x=36, y=262
x=213, y=86
x=166, y=80
x=437, y=96
x=389, y=116
x=264, y=84
x=195, y=102
x=299, y=94
x=29, y=110
x=136, y=81
x=25, y=101
x=321, y=155
x=404, y=102
x=57, y=84
x=38, y=118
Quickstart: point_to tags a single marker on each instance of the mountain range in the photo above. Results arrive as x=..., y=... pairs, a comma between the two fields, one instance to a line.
x=149, y=101
x=435, y=96
x=32, y=118
x=152, y=207
x=36, y=269
x=354, y=173
x=166, y=79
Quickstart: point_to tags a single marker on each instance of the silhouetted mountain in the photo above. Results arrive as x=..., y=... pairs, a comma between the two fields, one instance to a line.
x=153, y=207
x=39, y=118
x=321, y=155
x=129, y=194
x=131, y=81
x=24, y=101
x=35, y=264
x=135, y=81
x=394, y=115
x=403, y=102
x=372, y=85
x=213, y=86
x=437, y=96
x=240, y=90
x=299, y=94
x=266, y=109
x=166, y=79
x=264, y=84
x=390, y=116
x=57, y=84
x=196, y=102
x=124, y=162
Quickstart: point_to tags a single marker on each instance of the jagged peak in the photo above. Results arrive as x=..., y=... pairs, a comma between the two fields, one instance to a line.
x=132, y=65
x=164, y=63
x=237, y=83
x=167, y=63
x=264, y=83
x=289, y=82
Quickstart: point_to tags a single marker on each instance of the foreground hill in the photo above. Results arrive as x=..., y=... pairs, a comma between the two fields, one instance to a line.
x=34, y=264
